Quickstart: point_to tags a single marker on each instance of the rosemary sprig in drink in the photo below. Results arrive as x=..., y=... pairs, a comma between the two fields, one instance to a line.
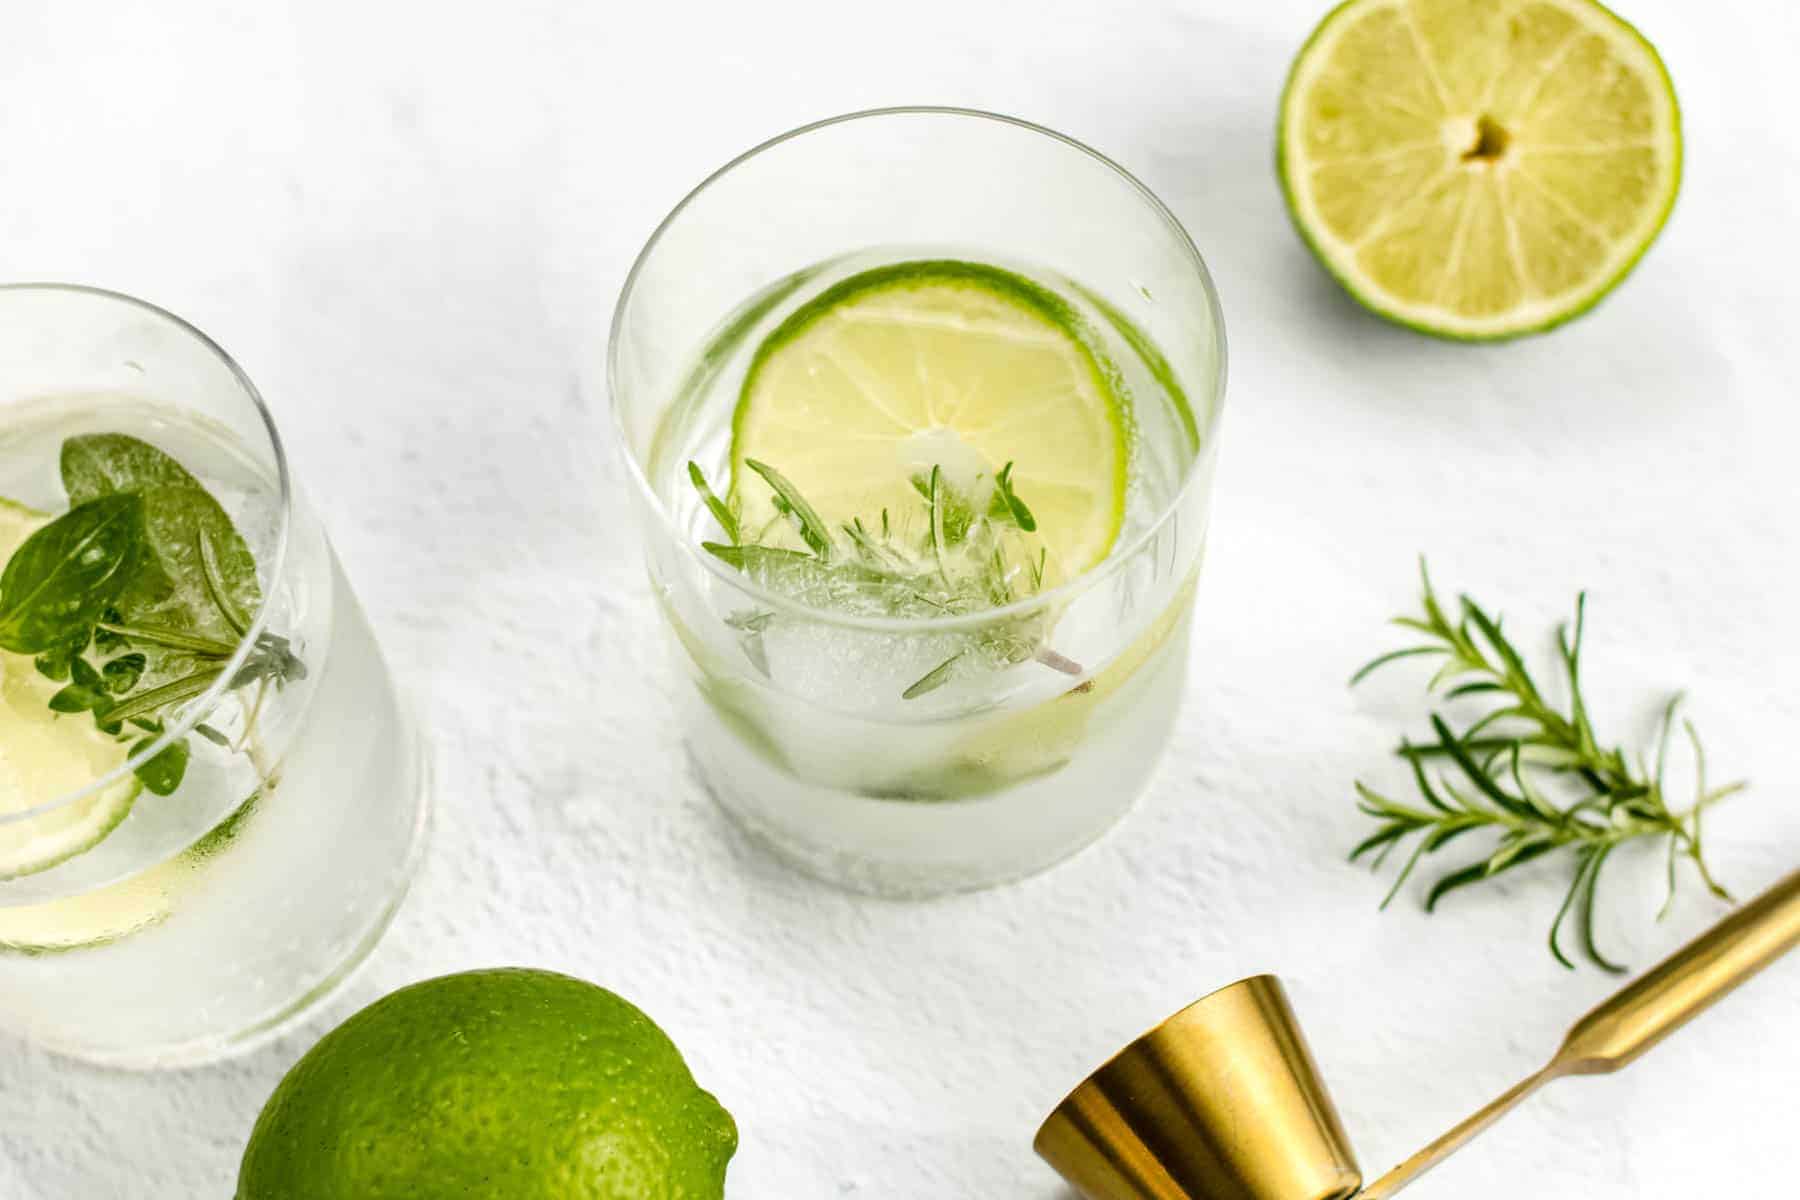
x=965, y=552
x=1497, y=774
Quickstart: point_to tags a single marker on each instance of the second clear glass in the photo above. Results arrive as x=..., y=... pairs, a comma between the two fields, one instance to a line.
x=152, y=919
x=802, y=735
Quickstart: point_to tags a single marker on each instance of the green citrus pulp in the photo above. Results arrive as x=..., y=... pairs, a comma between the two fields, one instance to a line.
x=940, y=363
x=1478, y=170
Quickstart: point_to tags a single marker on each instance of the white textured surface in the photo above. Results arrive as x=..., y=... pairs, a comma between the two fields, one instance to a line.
x=409, y=221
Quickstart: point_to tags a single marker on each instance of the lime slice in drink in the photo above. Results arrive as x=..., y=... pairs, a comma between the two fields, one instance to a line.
x=1478, y=170
x=44, y=755
x=955, y=365
x=1043, y=739
x=94, y=918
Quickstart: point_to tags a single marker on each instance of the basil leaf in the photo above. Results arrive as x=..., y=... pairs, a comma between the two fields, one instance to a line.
x=175, y=519
x=178, y=513
x=162, y=774
x=100, y=464
x=66, y=574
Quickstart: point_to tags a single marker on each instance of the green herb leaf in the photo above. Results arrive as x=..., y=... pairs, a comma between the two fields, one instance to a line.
x=1526, y=742
x=168, y=639
x=106, y=641
x=158, y=699
x=955, y=562
x=148, y=568
x=76, y=699
x=751, y=624
x=748, y=558
x=720, y=510
x=218, y=588
x=178, y=522
x=940, y=541
x=813, y=531
x=750, y=620
x=55, y=664
x=933, y=679
x=164, y=773
x=64, y=576
x=273, y=660
x=83, y=674
x=122, y=673
x=105, y=464
x=1003, y=492
x=954, y=507
x=183, y=524
x=213, y=735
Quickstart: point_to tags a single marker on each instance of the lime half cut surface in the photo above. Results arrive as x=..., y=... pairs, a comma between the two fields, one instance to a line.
x=945, y=364
x=1476, y=169
x=45, y=755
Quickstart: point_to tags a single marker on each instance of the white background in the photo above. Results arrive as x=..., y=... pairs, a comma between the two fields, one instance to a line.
x=409, y=222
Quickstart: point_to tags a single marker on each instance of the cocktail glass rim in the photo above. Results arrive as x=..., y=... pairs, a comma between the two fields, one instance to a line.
x=204, y=703
x=1115, y=560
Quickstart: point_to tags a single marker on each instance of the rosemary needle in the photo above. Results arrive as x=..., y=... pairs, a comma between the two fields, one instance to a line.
x=956, y=564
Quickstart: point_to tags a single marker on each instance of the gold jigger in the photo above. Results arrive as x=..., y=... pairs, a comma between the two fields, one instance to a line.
x=1224, y=1102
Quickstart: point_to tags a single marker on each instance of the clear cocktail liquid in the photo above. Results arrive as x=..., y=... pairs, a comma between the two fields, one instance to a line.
x=208, y=915
x=805, y=736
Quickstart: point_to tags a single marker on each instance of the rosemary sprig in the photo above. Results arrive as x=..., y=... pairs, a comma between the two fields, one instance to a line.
x=964, y=555
x=1496, y=774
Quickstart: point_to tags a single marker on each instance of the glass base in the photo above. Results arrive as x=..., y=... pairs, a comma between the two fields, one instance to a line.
x=887, y=881
x=910, y=849
x=211, y=1049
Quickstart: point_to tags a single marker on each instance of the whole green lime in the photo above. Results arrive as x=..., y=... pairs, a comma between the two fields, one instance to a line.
x=511, y=1084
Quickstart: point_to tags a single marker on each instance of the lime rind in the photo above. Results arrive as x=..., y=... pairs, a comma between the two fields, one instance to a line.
x=504, y=1082
x=111, y=807
x=1412, y=317
x=1154, y=361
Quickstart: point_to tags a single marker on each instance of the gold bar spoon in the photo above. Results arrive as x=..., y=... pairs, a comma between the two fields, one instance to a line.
x=1223, y=1101
x=1640, y=1015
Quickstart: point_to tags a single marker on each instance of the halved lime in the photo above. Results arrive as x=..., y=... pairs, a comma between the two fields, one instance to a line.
x=956, y=365
x=508, y=1083
x=44, y=755
x=1478, y=170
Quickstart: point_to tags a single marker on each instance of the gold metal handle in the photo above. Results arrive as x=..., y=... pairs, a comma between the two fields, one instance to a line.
x=1685, y=984
x=1643, y=1013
